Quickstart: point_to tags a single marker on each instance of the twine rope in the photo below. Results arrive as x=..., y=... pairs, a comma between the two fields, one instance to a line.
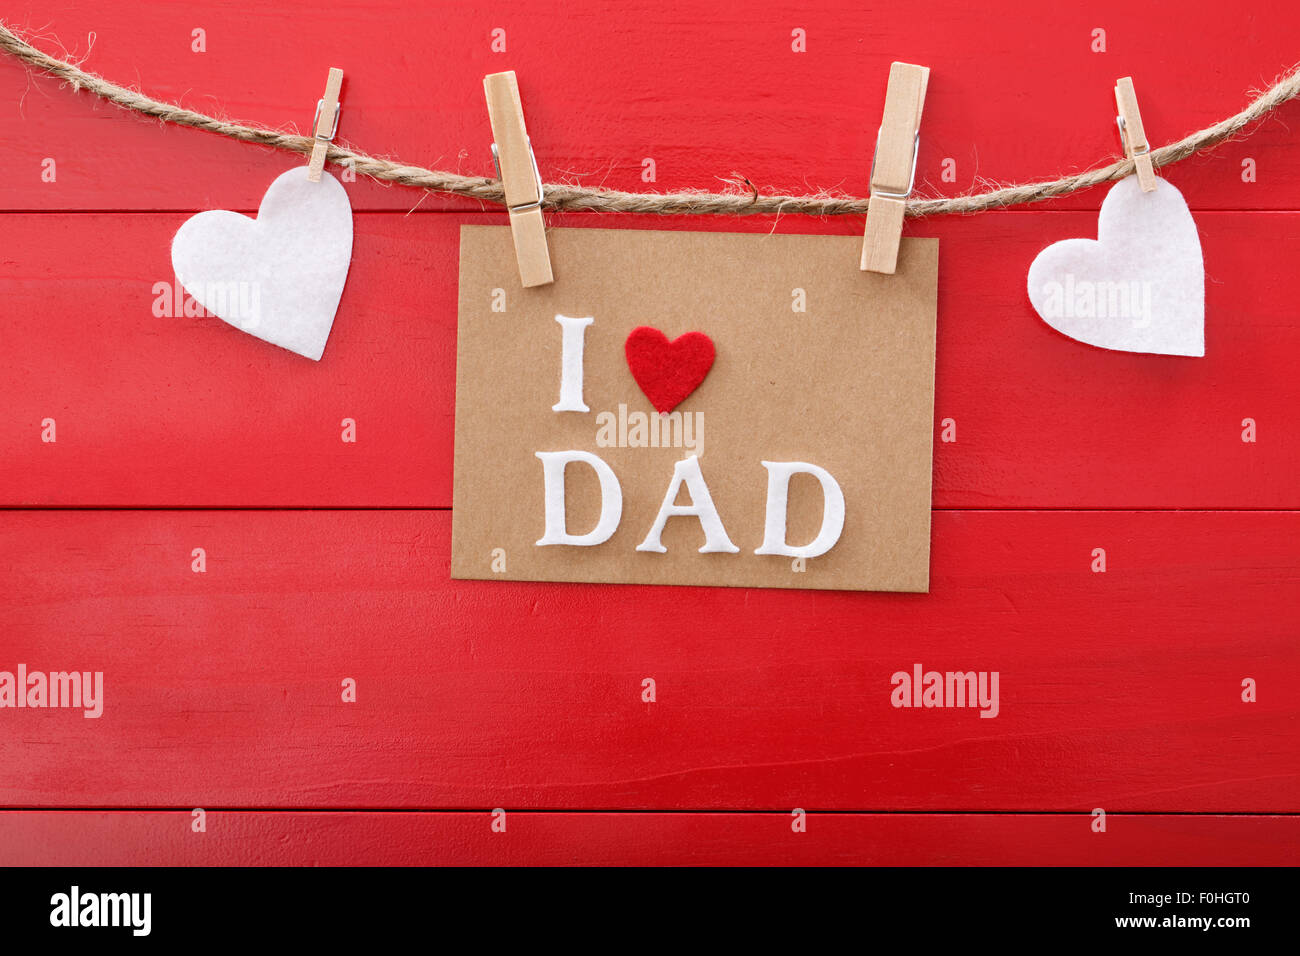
x=565, y=196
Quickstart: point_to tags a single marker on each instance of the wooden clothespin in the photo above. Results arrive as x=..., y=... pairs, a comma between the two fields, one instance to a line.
x=517, y=169
x=1132, y=133
x=893, y=170
x=326, y=124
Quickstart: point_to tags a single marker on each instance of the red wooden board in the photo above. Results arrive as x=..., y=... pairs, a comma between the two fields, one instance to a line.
x=359, y=838
x=1119, y=690
x=1016, y=93
x=165, y=410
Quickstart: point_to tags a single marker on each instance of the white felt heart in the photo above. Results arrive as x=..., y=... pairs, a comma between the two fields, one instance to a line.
x=1139, y=286
x=279, y=276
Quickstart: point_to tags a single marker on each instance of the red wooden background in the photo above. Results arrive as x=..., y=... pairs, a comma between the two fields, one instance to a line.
x=325, y=560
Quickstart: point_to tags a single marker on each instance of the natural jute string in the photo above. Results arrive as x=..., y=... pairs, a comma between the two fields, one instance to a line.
x=570, y=197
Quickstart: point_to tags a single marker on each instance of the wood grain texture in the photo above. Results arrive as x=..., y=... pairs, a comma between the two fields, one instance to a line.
x=153, y=838
x=1016, y=94
x=182, y=411
x=1120, y=690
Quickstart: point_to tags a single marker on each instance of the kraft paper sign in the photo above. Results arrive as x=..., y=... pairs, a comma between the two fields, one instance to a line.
x=797, y=452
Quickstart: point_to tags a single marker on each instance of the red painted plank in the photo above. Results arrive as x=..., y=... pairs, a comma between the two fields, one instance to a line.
x=1119, y=690
x=160, y=409
x=1016, y=94
x=252, y=838
x=142, y=838
x=186, y=411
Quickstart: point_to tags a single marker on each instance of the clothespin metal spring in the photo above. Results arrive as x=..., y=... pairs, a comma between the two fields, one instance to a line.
x=537, y=173
x=315, y=123
x=916, y=149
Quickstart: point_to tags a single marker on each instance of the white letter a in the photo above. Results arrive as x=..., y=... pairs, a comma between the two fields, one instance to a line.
x=701, y=506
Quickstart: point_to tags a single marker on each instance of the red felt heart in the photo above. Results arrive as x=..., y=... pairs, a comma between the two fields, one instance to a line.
x=668, y=371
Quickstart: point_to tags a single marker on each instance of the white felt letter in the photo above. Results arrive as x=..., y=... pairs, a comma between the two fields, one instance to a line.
x=611, y=499
x=575, y=333
x=701, y=506
x=778, y=493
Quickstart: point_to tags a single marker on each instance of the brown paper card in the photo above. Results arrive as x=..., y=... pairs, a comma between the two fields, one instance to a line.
x=847, y=385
